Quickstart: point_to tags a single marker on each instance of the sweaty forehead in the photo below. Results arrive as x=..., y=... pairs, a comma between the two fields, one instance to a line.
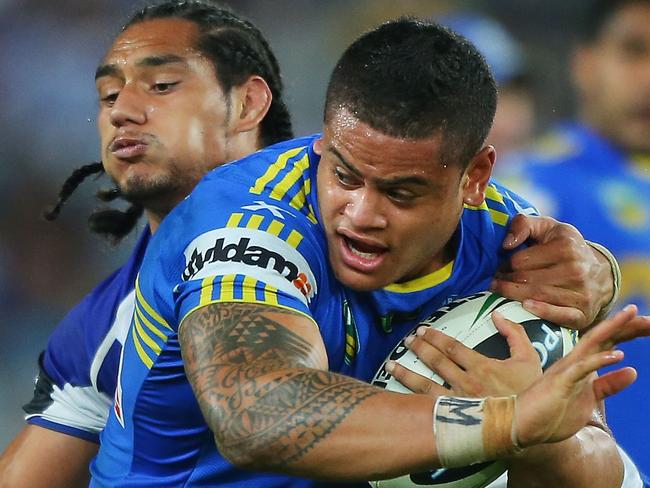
x=152, y=37
x=361, y=144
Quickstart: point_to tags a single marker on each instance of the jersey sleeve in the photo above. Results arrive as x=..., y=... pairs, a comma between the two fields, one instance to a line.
x=77, y=411
x=236, y=240
x=77, y=374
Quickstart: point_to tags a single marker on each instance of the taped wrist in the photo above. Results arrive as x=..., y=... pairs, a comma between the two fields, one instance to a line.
x=474, y=430
x=616, y=277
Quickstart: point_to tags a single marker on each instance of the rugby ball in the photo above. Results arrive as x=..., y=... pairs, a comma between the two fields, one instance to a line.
x=469, y=321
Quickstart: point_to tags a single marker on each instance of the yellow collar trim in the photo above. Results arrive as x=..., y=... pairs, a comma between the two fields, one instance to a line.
x=423, y=282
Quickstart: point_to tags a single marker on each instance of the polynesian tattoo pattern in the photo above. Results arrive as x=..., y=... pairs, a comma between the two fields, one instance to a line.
x=257, y=385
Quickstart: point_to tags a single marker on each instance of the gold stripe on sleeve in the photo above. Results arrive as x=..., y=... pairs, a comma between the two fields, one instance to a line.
x=140, y=350
x=273, y=170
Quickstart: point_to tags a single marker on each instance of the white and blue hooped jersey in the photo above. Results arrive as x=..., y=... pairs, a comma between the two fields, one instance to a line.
x=250, y=232
x=76, y=383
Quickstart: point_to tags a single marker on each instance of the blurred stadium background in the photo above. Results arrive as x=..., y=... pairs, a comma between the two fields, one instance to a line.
x=48, y=54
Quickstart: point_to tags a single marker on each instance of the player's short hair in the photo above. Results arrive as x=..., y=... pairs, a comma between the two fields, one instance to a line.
x=414, y=79
x=597, y=14
x=238, y=50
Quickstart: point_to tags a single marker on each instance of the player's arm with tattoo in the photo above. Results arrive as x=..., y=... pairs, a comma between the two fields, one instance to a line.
x=259, y=374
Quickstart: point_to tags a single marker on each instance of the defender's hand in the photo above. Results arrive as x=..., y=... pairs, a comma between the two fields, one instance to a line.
x=559, y=277
x=470, y=373
x=561, y=402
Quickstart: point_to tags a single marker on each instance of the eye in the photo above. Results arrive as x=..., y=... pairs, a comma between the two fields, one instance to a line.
x=401, y=195
x=109, y=99
x=345, y=178
x=163, y=87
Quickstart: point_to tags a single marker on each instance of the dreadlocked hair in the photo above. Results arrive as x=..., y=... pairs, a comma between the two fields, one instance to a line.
x=237, y=49
x=113, y=224
x=70, y=185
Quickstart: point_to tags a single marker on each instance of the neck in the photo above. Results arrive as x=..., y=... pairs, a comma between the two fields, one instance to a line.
x=154, y=218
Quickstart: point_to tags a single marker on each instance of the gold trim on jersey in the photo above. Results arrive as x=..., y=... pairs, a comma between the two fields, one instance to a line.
x=266, y=224
x=148, y=362
x=207, y=285
x=270, y=304
x=274, y=169
x=141, y=324
x=294, y=175
x=153, y=345
x=491, y=193
x=422, y=283
x=144, y=320
x=147, y=308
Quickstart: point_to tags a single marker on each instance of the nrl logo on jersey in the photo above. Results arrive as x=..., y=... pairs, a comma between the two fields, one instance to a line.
x=253, y=253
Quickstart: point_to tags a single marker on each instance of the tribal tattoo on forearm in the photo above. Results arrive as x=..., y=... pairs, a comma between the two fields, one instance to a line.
x=257, y=387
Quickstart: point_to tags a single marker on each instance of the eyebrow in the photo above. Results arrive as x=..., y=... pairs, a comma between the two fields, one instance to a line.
x=382, y=182
x=149, y=61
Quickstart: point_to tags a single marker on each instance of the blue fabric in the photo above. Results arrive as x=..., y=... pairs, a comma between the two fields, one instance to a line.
x=579, y=177
x=250, y=232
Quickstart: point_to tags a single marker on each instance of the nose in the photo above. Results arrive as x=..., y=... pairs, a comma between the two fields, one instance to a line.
x=365, y=209
x=129, y=107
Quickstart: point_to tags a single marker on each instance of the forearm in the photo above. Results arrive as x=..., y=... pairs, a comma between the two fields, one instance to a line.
x=260, y=377
x=588, y=459
x=328, y=427
x=39, y=457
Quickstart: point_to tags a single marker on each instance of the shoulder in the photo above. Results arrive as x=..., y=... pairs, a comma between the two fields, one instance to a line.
x=103, y=313
x=77, y=373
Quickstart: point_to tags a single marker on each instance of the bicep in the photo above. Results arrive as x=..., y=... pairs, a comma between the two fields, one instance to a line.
x=39, y=457
x=231, y=347
x=237, y=334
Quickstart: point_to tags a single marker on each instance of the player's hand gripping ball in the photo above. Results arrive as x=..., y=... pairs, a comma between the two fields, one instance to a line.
x=468, y=320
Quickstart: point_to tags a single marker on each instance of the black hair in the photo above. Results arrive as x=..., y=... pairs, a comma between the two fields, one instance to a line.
x=413, y=79
x=238, y=50
x=597, y=14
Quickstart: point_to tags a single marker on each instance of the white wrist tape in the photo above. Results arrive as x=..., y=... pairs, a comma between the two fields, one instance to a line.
x=616, y=276
x=473, y=430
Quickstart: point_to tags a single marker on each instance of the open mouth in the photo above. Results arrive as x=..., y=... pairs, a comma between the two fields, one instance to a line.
x=362, y=249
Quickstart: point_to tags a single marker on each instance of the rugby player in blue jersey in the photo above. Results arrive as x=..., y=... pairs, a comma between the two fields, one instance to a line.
x=317, y=255
x=607, y=148
x=74, y=391
x=199, y=86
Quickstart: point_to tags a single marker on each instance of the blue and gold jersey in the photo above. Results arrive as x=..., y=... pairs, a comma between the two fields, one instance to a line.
x=581, y=178
x=250, y=232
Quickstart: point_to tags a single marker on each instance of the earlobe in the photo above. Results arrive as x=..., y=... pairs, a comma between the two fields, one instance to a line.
x=251, y=103
x=477, y=176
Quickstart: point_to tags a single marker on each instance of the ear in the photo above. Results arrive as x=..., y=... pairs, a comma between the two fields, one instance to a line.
x=477, y=175
x=318, y=146
x=250, y=104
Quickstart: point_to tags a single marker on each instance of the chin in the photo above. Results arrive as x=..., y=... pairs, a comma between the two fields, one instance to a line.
x=358, y=281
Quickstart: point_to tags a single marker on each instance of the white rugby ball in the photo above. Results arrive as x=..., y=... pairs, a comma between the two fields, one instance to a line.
x=469, y=321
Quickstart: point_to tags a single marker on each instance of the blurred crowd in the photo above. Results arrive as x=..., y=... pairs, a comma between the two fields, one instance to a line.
x=49, y=52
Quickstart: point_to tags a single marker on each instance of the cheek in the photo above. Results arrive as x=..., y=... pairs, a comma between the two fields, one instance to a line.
x=104, y=128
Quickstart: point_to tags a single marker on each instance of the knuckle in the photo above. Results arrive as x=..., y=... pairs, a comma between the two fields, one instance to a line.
x=474, y=387
x=425, y=387
x=576, y=270
x=452, y=347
